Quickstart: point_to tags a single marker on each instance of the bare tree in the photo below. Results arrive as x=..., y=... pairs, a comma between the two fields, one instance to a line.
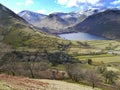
x=9, y=63
x=75, y=72
x=29, y=66
x=92, y=77
x=33, y=68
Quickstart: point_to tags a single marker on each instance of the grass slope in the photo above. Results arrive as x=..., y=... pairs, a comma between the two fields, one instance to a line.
x=17, y=32
x=17, y=83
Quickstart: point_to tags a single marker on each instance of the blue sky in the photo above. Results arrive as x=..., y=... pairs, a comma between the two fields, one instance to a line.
x=49, y=6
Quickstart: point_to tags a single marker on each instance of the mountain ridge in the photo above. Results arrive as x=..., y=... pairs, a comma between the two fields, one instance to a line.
x=60, y=22
x=30, y=16
x=104, y=24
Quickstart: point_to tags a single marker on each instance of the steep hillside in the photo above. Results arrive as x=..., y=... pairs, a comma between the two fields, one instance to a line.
x=16, y=32
x=104, y=24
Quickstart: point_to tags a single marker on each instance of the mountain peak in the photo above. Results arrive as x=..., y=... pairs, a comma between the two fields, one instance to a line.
x=31, y=17
x=52, y=15
x=29, y=12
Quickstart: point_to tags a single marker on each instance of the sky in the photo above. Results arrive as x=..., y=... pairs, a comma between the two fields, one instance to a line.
x=50, y=6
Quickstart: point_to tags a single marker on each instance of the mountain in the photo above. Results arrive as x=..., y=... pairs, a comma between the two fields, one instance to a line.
x=72, y=17
x=31, y=17
x=57, y=22
x=16, y=32
x=54, y=22
x=106, y=24
x=90, y=12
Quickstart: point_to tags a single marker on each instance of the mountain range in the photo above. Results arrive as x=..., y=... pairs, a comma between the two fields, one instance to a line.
x=56, y=22
x=105, y=23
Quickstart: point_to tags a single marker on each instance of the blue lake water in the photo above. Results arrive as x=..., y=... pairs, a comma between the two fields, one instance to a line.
x=81, y=36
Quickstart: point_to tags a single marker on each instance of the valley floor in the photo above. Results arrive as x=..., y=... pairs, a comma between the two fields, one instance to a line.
x=19, y=83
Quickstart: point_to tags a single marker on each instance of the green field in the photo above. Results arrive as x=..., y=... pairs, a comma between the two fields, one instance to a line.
x=95, y=46
x=107, y=59
x=97, y=50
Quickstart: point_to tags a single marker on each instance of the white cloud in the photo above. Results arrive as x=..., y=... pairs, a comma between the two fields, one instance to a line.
x=88, y=4
x=81, y=8
x=26, y=3
x=115, y=2
x=62, y=2
x=29, y=2
x=42, y=11
x=93, y=1
x=99, y=4
x=71, y=3
x=19, y=3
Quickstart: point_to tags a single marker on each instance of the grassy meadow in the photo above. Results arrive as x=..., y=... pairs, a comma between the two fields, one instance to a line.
x=98, y=51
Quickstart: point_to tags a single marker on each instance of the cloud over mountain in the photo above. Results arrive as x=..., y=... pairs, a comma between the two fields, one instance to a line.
x=26, y=3
x=88, y=4
x=116, y=2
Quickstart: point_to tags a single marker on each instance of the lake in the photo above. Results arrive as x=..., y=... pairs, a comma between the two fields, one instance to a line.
x=81, y=36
